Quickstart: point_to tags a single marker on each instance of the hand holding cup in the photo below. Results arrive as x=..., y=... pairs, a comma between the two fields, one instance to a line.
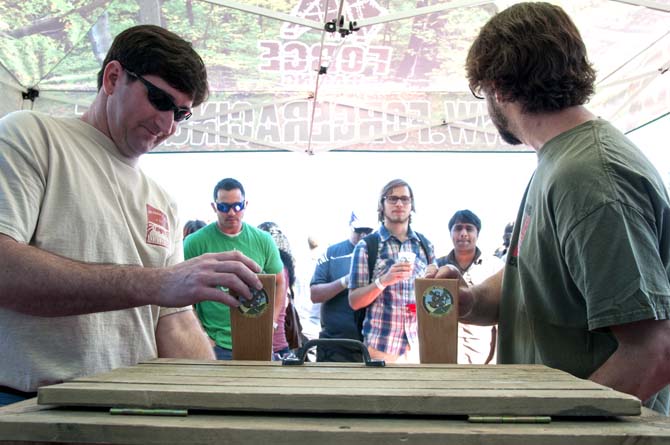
x=407, y=257
x=405, y=264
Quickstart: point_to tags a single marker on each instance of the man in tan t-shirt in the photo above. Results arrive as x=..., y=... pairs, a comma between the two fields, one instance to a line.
x=91, y=272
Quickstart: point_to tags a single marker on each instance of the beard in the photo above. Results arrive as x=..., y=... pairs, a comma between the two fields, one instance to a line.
x=501, y=123
x=390, y=217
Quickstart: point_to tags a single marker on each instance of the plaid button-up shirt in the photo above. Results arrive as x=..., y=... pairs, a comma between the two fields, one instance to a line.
x=390, y=326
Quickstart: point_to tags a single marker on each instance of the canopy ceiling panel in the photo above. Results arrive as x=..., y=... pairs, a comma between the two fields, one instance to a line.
x=391, y=71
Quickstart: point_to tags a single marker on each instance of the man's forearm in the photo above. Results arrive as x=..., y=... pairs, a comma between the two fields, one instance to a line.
x=36, y=282
x=641, y=364
x=363, y=296
x=632, y=377
x=486, y=301
x=280, y=297
x=180, y=335
x=320, y=293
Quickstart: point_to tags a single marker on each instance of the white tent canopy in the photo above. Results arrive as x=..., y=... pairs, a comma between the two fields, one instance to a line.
x=392, y=75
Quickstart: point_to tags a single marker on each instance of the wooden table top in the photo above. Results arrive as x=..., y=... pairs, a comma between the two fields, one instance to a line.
x=320, y=404
x=344, y=388
x=27, y=423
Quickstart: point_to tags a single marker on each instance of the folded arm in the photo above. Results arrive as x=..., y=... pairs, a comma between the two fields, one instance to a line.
x=641, y=364
x=179, y=335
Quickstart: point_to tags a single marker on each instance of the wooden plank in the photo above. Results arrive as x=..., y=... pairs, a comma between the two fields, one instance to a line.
x=363, y=400
x=263, y=381
x=70, y=426
x=437, y=317
x=251, y=324
x=345, y=374
x=480, y=390
x=405, y=370
x=339, y=365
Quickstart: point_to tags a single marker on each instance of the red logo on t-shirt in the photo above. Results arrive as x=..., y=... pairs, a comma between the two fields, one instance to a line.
x=158, y=229
x=522, y=233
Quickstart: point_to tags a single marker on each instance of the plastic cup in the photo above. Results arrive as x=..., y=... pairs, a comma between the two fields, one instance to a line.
x=407, y=257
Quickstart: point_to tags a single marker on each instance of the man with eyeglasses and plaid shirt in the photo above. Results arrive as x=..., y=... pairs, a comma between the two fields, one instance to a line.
x=92, y=276
x=390, y=329
x=229, y=233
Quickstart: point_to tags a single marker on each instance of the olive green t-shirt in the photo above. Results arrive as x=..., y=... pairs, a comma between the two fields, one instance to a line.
x=590, y=249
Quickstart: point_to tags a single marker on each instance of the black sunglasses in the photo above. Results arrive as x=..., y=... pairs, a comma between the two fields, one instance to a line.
x=161, y=100
x=225, y=208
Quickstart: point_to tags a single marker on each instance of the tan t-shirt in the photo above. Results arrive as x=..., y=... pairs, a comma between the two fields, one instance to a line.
x=65, y=188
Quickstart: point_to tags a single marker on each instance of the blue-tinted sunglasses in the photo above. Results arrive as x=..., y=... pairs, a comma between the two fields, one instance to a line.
x=161, y=100
x=225, y=208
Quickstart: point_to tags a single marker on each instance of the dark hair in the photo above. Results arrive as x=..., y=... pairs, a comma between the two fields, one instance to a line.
x=386, y=190
x=532, y=53
x=228, y=184
x=150, y=49
x=193, y=226
x=287, y=259
x=465, y=216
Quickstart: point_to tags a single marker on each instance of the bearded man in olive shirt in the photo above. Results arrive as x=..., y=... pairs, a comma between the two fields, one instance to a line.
x=586, y=287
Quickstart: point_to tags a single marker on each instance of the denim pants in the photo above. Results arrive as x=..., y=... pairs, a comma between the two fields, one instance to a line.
x=227, y=354
x=223, y=353
x=7, y=398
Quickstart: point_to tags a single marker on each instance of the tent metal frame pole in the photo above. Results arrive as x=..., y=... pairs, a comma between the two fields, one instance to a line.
x=268, y=13
x=633, y=96
x=647, y=4
x=421, y=11
x=369, y=22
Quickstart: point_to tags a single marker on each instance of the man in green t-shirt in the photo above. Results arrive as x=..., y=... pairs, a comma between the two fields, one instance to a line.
x=230, y=233
x=586, y=286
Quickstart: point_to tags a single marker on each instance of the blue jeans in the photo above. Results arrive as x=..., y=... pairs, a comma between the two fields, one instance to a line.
x=227, y=354
x=8, y=398
x=223, y=353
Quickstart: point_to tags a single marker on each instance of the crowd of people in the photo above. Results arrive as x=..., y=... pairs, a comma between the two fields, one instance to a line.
x=93, y=275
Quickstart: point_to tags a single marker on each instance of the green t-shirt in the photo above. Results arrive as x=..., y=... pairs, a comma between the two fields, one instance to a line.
x=590, y=249
x=254, y=243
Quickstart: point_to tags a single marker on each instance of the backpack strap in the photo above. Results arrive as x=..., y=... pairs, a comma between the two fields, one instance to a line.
x=424, y=243
x=372, y=242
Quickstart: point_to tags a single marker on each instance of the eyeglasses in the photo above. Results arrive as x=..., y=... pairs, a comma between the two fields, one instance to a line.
x=391, y=199
x=476, y=93
x=225, y=208
x=161, y=100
